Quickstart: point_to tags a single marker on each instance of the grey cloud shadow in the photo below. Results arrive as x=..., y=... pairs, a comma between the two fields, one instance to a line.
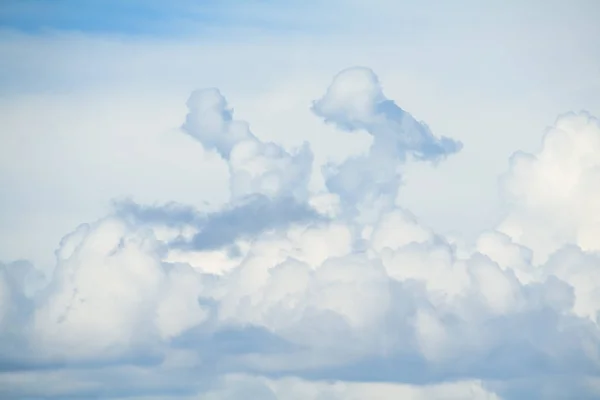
x=252, y=216
x=421, y=142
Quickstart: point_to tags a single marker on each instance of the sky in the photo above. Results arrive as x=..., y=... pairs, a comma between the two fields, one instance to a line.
x=299, y=199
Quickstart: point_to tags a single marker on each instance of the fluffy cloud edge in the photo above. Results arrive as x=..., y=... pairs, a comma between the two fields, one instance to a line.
x=120, y=295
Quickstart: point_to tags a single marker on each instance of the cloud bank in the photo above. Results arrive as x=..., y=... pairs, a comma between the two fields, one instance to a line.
x=287, y=293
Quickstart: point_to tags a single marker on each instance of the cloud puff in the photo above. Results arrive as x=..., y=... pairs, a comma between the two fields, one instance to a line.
x=111, y=297
x=553, y=194
x=554, y=199
x=355, y=101
x=284, y=289
x=255, y=167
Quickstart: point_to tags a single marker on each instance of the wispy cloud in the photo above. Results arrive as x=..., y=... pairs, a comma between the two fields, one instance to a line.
x=214, y=230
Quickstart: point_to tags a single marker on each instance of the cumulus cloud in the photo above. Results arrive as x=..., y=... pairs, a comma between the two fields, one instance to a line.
x=111, y=297
x=287, y=294
x=255, y=167
x=355, y=101
x=554, y=195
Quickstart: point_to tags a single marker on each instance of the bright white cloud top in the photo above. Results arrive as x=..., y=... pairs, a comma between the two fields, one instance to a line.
x=287, y=293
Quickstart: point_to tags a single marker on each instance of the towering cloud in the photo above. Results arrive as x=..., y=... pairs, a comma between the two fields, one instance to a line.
x=274, y=295
x=554, y=199
x=554, y=195
x=255, y=167
x=355, y=101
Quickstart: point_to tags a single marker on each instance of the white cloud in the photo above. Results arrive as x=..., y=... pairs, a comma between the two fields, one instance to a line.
x=368, y=184
x=553, y=193
x=323, y=297
x=255, y=167
x=71, y=82
x=295, y=389
x=110, y=297
x=222, y=304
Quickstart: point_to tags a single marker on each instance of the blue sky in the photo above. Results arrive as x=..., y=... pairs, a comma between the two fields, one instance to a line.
x=130, y=17
x=299, y=200
x=152, y=18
